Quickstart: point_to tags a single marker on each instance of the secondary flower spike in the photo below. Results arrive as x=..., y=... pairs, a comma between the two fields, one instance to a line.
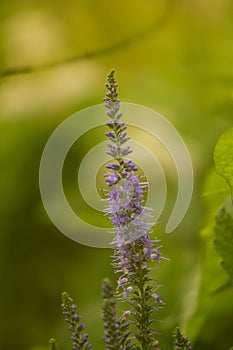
x=134, y=248
x=78, y=337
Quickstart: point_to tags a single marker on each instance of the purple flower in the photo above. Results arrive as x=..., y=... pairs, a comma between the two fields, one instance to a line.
x=127, y=291
x=181, y=341
x=125, y=208
x=122, y=281
x=79, y=339
x=157, y=298
x=112, y=178
x=132, y=223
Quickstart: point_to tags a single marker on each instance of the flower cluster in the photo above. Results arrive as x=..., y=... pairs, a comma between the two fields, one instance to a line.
x=125, y=208
x=134, y=248
x=181, y=342
x=117, y=135
x=78, y=337
x=125, y=203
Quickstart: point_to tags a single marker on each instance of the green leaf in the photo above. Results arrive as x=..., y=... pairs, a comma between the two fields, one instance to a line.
x=224, y=237
x=223, y=157
x=212, y=278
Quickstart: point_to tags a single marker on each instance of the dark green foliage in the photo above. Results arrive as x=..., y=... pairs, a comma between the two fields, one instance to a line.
x=224, y=238
x=223, y=157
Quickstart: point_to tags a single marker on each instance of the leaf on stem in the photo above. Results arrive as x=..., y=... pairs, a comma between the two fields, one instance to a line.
x=223, y=157
x=224, y=237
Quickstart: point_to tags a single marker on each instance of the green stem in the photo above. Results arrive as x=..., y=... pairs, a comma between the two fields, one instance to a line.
x=142, y=304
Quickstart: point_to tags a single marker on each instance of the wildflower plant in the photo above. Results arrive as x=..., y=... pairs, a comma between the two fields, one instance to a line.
x=133, y=247
x=134, y=251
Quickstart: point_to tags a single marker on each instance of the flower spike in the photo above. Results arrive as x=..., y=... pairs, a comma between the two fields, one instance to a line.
x=134, y=249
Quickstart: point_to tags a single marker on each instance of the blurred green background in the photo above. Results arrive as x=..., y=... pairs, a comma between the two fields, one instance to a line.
x=173, y=56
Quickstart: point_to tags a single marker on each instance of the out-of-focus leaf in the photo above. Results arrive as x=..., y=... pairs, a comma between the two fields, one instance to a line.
x=212, y=277
x=214, y=298
x=223, y=157
x=224, y=237
x=215, y=191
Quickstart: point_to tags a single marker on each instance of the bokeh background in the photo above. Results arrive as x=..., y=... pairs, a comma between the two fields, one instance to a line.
x=174, y=56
